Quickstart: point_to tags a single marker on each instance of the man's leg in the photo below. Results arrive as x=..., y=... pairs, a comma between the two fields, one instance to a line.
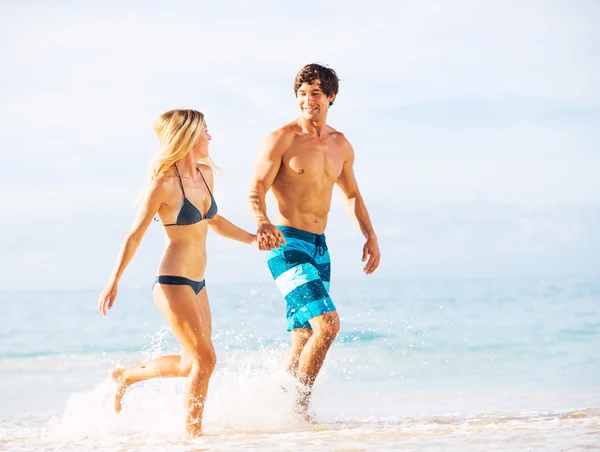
x=325, y=329
x=302, y=275
x=299, y=338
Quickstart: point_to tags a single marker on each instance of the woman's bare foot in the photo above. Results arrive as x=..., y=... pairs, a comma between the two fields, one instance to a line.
x=194, y=433
x=193, y=428
x=119, y=379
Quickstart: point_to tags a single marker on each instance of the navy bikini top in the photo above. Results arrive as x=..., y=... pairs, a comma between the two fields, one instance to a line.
x=189, y=213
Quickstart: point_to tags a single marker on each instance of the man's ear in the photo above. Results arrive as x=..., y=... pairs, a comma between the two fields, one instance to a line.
x=331, y=98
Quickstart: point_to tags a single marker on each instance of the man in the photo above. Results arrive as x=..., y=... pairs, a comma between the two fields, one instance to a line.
x=301, y=162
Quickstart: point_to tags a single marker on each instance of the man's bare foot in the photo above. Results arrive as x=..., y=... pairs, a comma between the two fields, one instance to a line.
x=308, y=418
x=301, y=413
x=303, y=404
x=119, y=379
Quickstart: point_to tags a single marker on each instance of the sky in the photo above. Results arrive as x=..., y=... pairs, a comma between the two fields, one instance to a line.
x=476, y=127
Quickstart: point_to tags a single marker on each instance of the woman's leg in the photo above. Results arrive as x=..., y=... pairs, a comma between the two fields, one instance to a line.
x=205, y=306
x=184, y=312
x=161, y=367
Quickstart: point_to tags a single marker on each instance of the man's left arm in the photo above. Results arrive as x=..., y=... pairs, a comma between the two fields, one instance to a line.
x=358, y=211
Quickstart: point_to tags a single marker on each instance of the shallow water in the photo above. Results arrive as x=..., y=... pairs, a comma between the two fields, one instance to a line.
x=419, y=365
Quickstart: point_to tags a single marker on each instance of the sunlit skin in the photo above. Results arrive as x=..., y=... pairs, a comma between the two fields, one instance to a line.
x=187, y=314
x=301, y=163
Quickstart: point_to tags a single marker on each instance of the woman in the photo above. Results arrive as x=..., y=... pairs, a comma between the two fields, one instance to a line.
x=180, y=192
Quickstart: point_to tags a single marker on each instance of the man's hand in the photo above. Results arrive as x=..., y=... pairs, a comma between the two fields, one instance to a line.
x=269, y=237
x=371, y=251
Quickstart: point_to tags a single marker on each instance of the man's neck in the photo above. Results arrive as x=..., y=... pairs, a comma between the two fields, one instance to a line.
x=313, y=127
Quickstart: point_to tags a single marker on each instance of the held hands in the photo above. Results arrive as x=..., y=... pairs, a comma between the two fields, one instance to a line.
x=371, y=251
x=107, y=297
x=269, y=237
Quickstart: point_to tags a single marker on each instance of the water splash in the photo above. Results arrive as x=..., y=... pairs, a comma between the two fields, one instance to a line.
x=245, y=395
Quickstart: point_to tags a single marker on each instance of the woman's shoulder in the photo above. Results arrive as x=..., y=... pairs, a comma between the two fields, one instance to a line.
x=206, y=171
x=205, y=168
x=165, y=181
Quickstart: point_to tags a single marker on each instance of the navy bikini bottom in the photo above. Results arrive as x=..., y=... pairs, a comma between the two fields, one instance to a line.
x=196, y=286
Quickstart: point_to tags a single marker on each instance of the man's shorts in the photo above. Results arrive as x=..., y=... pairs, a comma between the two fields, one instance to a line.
x=302, y=271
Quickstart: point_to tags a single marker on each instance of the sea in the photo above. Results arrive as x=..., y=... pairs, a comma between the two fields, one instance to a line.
x=507, y=364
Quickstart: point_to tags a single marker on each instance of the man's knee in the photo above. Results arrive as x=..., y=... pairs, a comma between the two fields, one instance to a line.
x=326, y=325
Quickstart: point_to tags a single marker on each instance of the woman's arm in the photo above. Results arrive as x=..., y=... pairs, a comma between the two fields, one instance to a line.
x=152, y=201
x=222, y=225
x=226, y=228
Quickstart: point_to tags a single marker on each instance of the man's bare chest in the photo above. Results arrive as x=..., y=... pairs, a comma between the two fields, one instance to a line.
x=309, y=160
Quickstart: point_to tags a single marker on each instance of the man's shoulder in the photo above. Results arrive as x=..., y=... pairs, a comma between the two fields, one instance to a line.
x=289, y=130
x=338, y=137
x=282, y=137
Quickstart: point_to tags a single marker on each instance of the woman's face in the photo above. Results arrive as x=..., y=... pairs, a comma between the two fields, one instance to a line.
x=204, y=138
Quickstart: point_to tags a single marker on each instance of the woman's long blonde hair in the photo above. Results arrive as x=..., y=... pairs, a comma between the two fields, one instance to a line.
x=178, y=132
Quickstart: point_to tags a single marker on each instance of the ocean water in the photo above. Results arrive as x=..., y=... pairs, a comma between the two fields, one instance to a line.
x=435, y=365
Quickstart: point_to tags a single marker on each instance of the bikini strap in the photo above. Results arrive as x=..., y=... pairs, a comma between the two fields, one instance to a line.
x=207, y=187
x=180, y=181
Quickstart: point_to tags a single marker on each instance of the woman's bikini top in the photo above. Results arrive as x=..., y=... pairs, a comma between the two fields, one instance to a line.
x=189, y=213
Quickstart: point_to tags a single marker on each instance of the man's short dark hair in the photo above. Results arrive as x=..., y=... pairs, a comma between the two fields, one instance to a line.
x=311, y=72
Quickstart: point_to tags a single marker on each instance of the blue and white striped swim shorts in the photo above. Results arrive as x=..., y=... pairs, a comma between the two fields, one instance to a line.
x=302, y=271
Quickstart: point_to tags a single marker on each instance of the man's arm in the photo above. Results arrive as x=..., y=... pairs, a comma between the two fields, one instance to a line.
x=265, y=170
x=358, y=210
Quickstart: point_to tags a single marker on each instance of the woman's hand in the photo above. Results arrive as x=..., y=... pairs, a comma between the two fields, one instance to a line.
x=107, y=297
